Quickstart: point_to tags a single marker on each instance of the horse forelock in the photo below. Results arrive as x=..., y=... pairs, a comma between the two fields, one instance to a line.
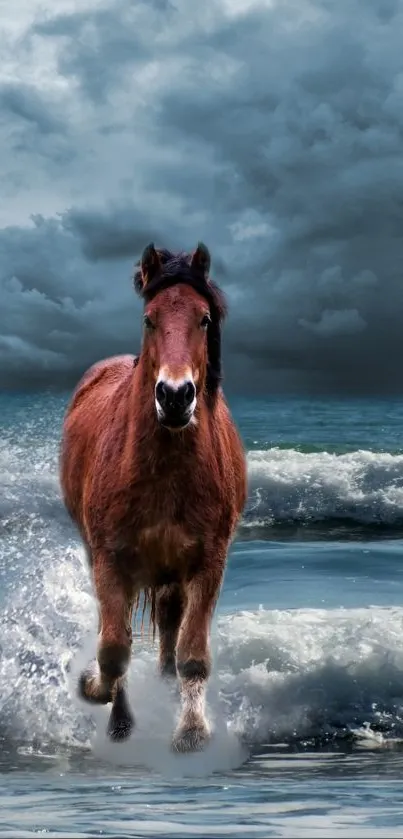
x=176, y=270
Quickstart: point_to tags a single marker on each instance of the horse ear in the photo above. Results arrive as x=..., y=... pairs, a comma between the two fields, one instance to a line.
x=150, y=264
x=201, y=260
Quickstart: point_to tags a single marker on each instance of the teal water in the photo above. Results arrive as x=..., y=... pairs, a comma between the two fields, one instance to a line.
x=306, y=695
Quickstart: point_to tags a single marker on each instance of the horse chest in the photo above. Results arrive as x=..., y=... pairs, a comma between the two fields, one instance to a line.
x=164, y=542
x=169, y=518
x=173, y=490
x=165, y=545
x=166, y=512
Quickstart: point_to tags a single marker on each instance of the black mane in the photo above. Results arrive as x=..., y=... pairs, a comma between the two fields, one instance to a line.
x=175, y=270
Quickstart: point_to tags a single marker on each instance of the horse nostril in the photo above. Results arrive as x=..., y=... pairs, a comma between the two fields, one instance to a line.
x=189, y=392
x=172, y=399
x=161, y=393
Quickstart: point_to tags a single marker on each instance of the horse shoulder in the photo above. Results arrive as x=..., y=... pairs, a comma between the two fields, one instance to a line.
x=226, y=433
x=224, y=459
x=103, y=374
x=87, y=438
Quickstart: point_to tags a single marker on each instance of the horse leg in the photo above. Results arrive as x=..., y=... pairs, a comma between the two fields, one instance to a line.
x=115, y=601
x=169, y=609
x=193, y=653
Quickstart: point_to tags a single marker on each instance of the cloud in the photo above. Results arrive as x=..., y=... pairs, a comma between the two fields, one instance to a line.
x=271, y=130
x=336, y=322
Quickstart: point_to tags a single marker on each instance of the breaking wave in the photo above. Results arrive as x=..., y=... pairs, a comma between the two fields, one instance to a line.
x=304, y=676
x=295, y=677
x=287, y=488
x=290, y=487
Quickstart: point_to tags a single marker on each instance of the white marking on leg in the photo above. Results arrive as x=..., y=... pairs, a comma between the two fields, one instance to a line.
x=194, y=699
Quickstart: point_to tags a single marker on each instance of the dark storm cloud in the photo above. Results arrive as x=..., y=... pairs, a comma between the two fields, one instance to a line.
x=23, y=104
x=108, y=235
x=273, y=131
x=98, y=45
x=57, y=310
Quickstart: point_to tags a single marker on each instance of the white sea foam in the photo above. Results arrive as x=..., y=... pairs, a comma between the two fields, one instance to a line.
x=285, y=486
x=291, y=486
x=278, y=676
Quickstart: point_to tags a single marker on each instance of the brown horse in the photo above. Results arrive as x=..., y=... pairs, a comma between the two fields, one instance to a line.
x=153, y=473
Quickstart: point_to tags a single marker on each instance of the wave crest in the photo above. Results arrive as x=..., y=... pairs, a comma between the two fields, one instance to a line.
x=279, y=676
x=291, y=487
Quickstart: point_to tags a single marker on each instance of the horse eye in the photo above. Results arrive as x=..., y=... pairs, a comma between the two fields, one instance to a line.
x=148, y=322
x=205, y=321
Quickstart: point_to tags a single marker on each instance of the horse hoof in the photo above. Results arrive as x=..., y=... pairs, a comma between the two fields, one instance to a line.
x=121, y=720
x=186, y=740
x=120, y=727
x=90, y=690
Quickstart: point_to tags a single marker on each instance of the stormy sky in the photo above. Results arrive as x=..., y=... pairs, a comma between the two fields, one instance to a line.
x=271, y=130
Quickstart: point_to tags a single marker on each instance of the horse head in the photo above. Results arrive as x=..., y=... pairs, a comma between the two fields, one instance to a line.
x=183, y=311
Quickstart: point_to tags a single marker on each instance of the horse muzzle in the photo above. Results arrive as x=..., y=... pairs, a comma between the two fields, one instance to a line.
x=175, y=403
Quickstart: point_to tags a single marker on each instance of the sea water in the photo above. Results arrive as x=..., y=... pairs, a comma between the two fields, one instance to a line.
x=306, y=695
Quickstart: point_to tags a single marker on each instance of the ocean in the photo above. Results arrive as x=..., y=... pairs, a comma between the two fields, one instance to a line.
x=306, y=695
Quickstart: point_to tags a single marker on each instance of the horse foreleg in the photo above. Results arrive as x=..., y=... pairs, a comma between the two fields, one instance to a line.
x=169, y=609
x=193, y=658
x=115, y=601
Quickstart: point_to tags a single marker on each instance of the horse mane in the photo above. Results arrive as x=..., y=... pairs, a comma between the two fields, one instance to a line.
x=176, y=269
